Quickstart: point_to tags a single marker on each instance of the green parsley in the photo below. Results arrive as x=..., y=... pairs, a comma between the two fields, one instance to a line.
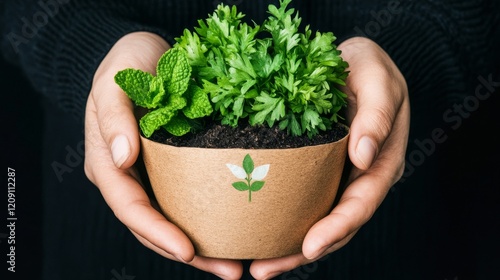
x=270, y=74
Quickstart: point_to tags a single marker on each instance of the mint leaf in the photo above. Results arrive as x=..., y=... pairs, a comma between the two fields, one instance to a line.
x=173, y=67
x=176, y=102
x=177, y=126
x=136, y=84
x=157, y=90
x=153, y=120
x=199, y=104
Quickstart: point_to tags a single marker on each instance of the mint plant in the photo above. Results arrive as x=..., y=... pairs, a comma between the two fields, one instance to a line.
x=173, y=101
x=225, y=69
x=252, y=175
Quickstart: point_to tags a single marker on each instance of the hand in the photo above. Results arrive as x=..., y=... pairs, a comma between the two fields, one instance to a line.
x=379, y=118
x=111, y=150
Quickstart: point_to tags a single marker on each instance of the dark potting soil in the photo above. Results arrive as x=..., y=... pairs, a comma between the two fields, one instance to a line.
x=247, y=137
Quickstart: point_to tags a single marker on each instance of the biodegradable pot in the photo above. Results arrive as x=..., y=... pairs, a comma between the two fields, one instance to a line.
x=245, y=203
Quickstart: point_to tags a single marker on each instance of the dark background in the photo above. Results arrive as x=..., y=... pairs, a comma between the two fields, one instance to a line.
x=463, y=214
x=22, y=128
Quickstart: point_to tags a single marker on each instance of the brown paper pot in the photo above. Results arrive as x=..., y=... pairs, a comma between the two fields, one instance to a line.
x=245, y=203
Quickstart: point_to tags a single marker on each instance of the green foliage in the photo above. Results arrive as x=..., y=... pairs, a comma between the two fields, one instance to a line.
x=171, y=96
x=271, y=74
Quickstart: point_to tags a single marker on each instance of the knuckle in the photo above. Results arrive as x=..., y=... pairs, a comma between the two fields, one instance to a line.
x=400, y=171
x=88, y=170
x=382, y=121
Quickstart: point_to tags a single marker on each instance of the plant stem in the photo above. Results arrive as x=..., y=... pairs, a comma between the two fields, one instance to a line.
x=249, y=188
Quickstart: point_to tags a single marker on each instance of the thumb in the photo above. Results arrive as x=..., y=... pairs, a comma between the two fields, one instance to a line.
x=114, y=110
x=375, y=88
x=376, y=103
x=117, y=124
x=373, y=114
x=369, y=129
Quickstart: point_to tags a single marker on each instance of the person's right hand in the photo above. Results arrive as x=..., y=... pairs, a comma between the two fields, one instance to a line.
x=378, y=115
x=111, y=150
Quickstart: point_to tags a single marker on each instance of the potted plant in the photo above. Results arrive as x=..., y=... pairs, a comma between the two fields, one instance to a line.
x=257, y=198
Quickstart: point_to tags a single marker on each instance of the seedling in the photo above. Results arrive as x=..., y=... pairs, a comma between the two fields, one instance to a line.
x=252, y=175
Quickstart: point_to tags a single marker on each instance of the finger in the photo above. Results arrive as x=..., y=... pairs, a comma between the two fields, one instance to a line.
x=335, y=230
x=117, y=122
x=362, y=197
x=375, y=113
x=225, y=269
x=132, y=207
x=117, y=125
x=376, y=89
x=127, y=198
x=269, y=268
x=154, y=248
x=156, y=233
x=355, y=208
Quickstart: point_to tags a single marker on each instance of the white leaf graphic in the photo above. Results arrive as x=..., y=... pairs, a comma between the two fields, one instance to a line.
x=237, y=171
x=260, y=172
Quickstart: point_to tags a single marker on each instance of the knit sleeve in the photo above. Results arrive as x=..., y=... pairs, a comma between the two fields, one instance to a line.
x=443, y=46
x=59, y=44
x=440, y=46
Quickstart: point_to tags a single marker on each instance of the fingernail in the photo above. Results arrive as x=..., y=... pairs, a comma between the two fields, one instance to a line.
x=181, y=259
x=120, y=150
x=318, y=253
x=366, y=150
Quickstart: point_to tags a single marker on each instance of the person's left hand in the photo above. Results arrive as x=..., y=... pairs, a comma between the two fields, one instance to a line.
x=379, y=118
x=111, y=151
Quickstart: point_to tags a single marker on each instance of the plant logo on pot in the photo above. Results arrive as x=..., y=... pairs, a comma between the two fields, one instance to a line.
x=252, y=175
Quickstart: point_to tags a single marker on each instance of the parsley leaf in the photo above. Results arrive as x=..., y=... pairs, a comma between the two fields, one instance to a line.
x=271, y=73
x=227, y=69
